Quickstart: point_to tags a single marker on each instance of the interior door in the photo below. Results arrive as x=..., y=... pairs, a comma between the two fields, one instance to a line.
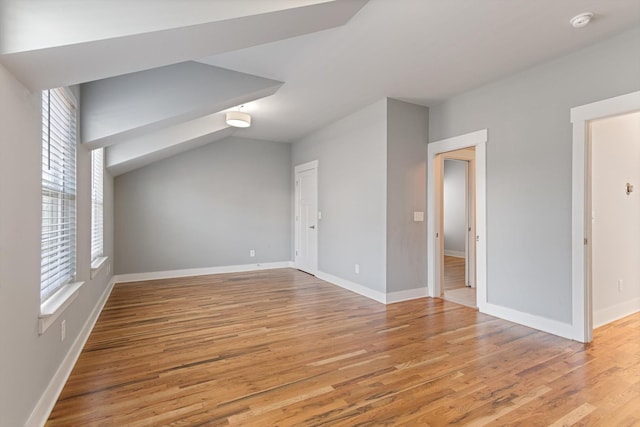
x=306, y=218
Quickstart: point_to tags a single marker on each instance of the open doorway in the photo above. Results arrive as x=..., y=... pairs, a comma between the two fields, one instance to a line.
x=615, y=216
x=475, y=267
x=583, y=118
x=458, y=226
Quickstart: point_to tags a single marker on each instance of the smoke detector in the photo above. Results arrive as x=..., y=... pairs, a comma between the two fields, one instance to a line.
x=581, y=20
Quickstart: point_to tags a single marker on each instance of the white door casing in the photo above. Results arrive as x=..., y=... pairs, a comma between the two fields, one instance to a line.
x=306, y=217
x=435, y=240
x=581, y=292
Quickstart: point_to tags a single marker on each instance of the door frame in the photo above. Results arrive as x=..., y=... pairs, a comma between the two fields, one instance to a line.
x=435, y=239
x=581, y=244
x=296, y=170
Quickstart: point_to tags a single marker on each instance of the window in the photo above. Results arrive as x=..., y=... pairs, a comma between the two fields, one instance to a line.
x=97, y=204
x=58, y=239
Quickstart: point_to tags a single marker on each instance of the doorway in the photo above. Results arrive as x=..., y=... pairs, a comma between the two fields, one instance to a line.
x=475, y=143
x=614, y=146
x=582, y=214
x=458, y=226
x=306, y=217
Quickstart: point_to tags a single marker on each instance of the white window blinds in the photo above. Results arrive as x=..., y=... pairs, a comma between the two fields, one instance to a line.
x=58, y=240
x=97, y=204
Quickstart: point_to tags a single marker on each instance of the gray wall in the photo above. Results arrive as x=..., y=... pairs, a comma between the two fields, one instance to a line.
x=352, y=155
x=28, y=361
x=455, y=202
x=407, y=134
x=529, y=166
x=206, y=208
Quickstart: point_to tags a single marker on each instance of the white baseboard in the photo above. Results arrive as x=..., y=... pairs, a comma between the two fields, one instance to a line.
x=564, y=330
x=457, y=254
x=170, y=274
x=610, y=314
x=407, y=295
x=45, y=405
x=353, y=287
x=378, y=296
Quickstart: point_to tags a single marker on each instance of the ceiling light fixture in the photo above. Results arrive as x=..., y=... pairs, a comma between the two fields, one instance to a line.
x=238, y=119
x=581, y=20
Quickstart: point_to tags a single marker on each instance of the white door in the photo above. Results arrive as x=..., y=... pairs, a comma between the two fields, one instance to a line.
x=306, y=217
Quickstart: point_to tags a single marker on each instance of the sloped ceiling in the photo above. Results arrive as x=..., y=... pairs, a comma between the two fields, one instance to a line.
x=116, y=109
x=419, y=51
x=141, y=96
x=304, y=63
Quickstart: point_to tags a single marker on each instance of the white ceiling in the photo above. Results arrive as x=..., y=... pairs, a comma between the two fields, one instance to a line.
x=421, y=51
x=334, y=57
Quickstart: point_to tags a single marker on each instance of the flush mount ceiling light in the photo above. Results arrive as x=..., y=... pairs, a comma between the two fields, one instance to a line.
x=581, y=20
x=238, y=119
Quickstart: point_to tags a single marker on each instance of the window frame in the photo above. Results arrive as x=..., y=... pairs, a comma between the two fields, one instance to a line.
x=97, y=208
x=58, y=197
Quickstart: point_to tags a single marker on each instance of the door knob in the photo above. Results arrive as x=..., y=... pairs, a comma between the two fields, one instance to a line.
x=313, y=227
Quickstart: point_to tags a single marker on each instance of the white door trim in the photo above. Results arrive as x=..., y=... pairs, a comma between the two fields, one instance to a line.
x=478, y=140
x=582, y=312
x=296, y=170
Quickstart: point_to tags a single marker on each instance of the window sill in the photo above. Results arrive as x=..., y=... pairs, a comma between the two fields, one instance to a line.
x=97, y=265
x=55, y=305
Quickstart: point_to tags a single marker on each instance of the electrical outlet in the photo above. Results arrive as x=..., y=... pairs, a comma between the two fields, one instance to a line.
x=63, y=330
x=252, y=253
x=357, y=268
x=619, y=285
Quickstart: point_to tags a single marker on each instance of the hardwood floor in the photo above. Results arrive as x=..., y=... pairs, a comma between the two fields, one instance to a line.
x=282, y=348
x=453, y=273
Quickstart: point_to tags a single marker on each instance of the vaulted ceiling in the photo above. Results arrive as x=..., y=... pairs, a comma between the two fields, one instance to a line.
x=295, y=64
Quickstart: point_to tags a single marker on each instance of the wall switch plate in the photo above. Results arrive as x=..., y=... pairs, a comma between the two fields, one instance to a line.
x=63, y=330
x=252, y=253
x=619, y=285
x=319, y=215
x=418, y=216
x=357, y=268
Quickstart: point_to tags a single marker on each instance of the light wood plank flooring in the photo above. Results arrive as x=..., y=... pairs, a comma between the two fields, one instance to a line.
x=282, y=348
x=453, y=273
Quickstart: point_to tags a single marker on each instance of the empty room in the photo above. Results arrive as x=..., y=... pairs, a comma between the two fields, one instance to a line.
x=319, y=212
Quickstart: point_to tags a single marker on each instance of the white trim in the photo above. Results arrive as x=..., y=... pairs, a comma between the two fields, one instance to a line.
x=378, y=296
x=540, y=323
x=45, y=404
x=97, y=265
x=582, y=312
x=456, y=254
x=407, y=295
x=306, y=166
x=479, y=140
x=352, y=286
x=56, y=304
x=610, y=314
x=170, y=274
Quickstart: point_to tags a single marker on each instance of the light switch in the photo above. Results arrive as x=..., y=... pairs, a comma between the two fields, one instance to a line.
x=418, y=216
x=319, y=215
